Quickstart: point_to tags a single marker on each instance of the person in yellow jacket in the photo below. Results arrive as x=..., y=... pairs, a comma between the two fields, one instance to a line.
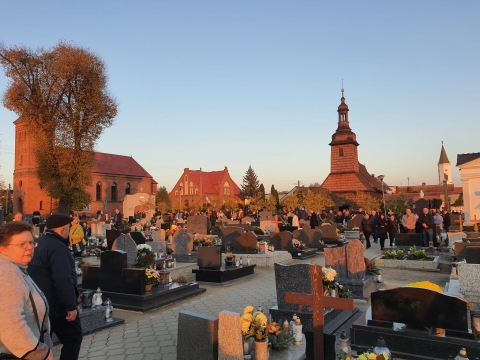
x=77, y=240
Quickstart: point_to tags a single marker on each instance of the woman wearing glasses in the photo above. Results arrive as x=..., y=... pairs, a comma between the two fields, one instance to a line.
x=24, y=323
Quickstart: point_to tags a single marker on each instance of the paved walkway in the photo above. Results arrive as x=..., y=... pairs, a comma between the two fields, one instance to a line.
x=153, y=335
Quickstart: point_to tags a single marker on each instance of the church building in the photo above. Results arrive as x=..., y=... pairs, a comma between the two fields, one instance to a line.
x=196, y=188
x=469, y=165
x=113, y=177
x=347, y=175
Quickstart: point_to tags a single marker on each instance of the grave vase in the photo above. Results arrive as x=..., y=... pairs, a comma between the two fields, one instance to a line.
x=333, y=292
x=248, y=347
x=148, y=287
x=261, y=350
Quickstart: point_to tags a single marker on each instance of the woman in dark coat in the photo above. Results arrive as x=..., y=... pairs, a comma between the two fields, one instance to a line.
x=366, y=228
x=382, y=230
x=314, y=220
x=392, y=228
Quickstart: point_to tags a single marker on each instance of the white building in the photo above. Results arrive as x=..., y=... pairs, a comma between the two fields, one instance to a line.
x=469, y=165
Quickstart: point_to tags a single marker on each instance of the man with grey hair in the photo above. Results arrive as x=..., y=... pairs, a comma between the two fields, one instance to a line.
x=425, y=220
x=408, y=221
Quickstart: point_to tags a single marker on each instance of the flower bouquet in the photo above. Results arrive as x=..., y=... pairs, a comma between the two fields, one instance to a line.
x=253, y=324
x=328, y=277
x=370, y=267
x=95, y=252
x=145, y=256
x=279, y=339
x=297, y=244
x=393, y=254
x=372, y=356
x=152, y=277
x=417, y=254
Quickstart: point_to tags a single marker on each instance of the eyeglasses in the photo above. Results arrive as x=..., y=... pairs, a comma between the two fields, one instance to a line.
x=25, y=244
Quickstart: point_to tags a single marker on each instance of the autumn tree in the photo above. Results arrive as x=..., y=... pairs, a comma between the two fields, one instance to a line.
x=272, y=203
x=162, y=199
x=367, y=201
x=398, y=206
x=61, y=95
x=250, y=185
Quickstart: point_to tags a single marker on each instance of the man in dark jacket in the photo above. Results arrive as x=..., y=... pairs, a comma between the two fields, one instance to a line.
x=446, y=220
x=425, y=220
x=118, y=219
x=53, y=270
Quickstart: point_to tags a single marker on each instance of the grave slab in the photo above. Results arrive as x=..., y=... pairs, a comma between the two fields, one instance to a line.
x=230, y=343
x=202, y=342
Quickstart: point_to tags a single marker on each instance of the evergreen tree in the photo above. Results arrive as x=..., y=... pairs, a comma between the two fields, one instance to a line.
x=250, y=184
x=274, y=193
x=261, y=192
x=162, y=200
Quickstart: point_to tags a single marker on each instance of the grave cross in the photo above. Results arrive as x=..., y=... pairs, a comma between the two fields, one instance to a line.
x=318, y=302
x=475, y=225
x=460, y=227
x=276, y=222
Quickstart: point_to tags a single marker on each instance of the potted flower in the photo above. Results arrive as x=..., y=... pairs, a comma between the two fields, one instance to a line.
x=196, y=242
x=328, y=279
x=254, y=325
x=145, y=256
x=229, y=259
x=372, y=269
x=297, y=244
x=151, y=278
x=96, y=252
x=278, y=337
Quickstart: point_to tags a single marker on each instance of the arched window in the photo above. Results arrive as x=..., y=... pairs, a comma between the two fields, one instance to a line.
x=127, y=189
x=98, y=191
x=186, y=178
x=21, y=159
x=20, y=183
x=114, y=191
x=341, y=151
x=226, y=189
x=191, y=191
x=41, y=205
x=176, y=192
x=181, y=191
x=196, y=191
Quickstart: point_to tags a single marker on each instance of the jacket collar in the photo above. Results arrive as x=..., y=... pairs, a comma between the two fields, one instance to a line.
x=51, y=232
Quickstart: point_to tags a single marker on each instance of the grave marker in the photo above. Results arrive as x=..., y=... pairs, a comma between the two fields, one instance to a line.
x=197, y=224
x=318, y=303
x=126, y=243
x=246, y=243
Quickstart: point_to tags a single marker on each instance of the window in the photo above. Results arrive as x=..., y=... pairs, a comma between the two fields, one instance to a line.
x=191, y=191
x=186, y=178
x=226, y=189
x=98, y=191
x=41, y=205
x=127, y=189
x=21, y=159
x=181, y=191
x=20, y=183
x=114, y=191
x=196, y=191
x=341, y=151
x=176, y=192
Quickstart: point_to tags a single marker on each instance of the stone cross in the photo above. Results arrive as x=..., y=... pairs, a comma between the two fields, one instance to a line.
x=318, y=302
x=460, y=227
x=475, y=225
x=276, y=222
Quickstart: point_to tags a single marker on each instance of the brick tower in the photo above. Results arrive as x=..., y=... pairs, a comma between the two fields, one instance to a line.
x=347, y=175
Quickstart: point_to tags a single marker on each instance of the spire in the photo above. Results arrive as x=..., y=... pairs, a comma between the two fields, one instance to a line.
x=443, y=156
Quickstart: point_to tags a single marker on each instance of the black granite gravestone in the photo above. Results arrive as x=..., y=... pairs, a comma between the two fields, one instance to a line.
x=356, y=222
x=246, y=243
x=209, y=257
x=455, y=222
x=229, y=234
x=420, y=307
x=112, y=263
x=472, y=254
x=91, y=277
x=461, y=249
x=281, y=240
x=138, y=237
x=133, y=281
x=408, y=240
x=112, y=235
x=309, y=236
x=204, y=342
x=198, y=224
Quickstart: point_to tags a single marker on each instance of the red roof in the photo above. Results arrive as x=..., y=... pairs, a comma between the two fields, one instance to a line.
x=210, y=181
x=118, y=165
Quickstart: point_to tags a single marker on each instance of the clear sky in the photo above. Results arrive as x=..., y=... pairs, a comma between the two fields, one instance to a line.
x=236, y=83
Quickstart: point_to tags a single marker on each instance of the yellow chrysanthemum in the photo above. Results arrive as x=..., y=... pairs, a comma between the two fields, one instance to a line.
x=426, y=285
x=245, y=326
x=372, y=356
x=261, y=319
x=362, y=357
x=247, y=317
x=248, y=309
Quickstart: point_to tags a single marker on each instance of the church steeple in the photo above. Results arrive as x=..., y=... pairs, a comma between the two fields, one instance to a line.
x=444, y=168
x=344, y=143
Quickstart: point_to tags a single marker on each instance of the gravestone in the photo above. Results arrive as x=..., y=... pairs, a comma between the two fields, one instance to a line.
x=155, y=235
x=281, y=240
x=472, y=254
x=265, y=223
x=209, y=257
x=455, y=222
x=265, y=216
x=432, y=309
x=355, y=260
x=182, y=244
x=329, y=232
x=111, y=265
x=335, y=258
x=200, y=344
x=270, y=228
x=230, y=343
x=312, y=237
x=159, y=223
x=246, y=243
x=408, y=240
x=162, y=234
x=229, y=234
x=355, y=222
x=292, y=278
x=197, y=224
x=126, y=243
x=112, y=235
x=247, y=219
x=138, y=237
x=349, y=263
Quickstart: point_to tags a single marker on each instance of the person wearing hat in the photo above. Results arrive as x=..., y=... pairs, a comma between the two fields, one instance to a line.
x=53, y=270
